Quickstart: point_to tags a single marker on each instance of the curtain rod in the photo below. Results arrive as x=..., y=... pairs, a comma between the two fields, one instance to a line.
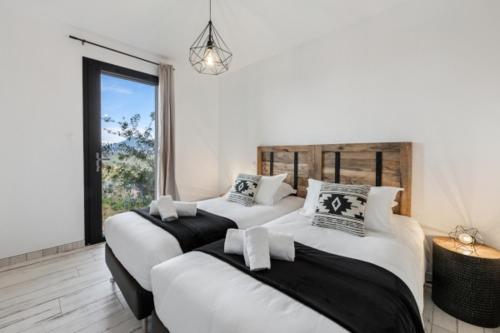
x=113, y=50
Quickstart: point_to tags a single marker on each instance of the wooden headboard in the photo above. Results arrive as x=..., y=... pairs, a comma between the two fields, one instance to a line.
x=377, y=164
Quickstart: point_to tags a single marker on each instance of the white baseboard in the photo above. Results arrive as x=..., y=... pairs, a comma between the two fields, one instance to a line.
x=21, y=258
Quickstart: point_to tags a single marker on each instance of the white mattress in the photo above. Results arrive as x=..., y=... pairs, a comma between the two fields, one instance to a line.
x=199, y=293
x=139, y=244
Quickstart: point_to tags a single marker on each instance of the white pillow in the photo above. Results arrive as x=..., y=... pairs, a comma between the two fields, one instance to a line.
x=312, y=197
x=377, y=214
x=379, y=206
x=283, y=191
x=268, y=186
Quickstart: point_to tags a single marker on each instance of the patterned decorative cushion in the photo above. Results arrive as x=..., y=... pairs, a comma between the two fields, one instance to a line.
x=244, y=189
x=342, y=207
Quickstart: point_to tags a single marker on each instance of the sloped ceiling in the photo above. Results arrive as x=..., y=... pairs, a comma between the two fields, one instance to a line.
x=253, y=29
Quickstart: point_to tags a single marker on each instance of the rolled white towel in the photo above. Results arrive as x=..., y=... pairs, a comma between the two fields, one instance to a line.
x=182, y=208
x=185, y=208
x=153, y=208
x=233, y=244
x=256, y=249
x=167, y=209
x=281, y=246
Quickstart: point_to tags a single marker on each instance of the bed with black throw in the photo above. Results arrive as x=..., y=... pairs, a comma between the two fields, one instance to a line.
x=338, y=283
x=189, y=231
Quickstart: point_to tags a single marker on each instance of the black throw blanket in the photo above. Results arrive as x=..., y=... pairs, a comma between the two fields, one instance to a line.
x=192, y=231
x=359, y=296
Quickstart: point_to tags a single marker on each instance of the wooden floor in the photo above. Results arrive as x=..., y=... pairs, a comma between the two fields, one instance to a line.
x=65, y=293
x=71, y=293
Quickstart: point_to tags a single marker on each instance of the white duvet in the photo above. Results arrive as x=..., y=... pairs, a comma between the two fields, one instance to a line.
x=196, y=292
x=139, y=244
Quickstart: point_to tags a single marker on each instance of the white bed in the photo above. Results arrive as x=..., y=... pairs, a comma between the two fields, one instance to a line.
x=199, y=293
x=139, y=244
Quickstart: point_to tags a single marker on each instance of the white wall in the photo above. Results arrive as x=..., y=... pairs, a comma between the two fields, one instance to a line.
x=426, y=71
x=41, y=135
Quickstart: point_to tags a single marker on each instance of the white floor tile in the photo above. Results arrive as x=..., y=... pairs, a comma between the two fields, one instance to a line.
x=444, y=320
x=468, y=328
x=438, y=329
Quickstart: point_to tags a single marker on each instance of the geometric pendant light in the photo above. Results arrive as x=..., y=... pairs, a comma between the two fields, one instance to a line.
x=209, y=54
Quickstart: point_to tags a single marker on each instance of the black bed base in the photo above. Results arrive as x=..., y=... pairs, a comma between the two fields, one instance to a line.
x=139, y=299
x=157, y=325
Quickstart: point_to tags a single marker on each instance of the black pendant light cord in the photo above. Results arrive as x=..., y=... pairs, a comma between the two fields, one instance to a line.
x=209, y=43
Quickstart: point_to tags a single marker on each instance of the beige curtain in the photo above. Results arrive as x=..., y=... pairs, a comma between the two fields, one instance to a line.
x=165, y=178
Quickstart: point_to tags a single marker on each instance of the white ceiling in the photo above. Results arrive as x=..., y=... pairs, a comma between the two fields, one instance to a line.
x=253, y=29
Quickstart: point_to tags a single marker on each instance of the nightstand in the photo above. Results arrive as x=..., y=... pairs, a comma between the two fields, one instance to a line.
x=467, y=286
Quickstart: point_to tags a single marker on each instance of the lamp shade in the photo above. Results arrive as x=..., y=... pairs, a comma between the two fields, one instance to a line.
x=209, y=54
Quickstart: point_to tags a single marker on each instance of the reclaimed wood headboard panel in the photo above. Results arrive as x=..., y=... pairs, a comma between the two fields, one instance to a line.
x=376, y=164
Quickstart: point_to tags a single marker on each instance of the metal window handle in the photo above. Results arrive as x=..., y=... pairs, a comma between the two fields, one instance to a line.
x=98, y=161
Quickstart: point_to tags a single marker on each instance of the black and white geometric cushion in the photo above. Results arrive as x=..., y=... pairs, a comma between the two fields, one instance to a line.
x=244, y=189
x=342, y=207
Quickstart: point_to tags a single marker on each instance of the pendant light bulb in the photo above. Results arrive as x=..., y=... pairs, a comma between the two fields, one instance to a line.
x=209, y=57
